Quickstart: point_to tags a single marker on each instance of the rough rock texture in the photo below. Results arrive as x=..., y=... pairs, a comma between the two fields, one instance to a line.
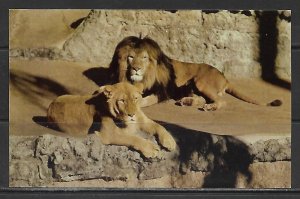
x=264, y=175
x=230, y=41
x=40, y=161
x=192, y=36
x=283, y=60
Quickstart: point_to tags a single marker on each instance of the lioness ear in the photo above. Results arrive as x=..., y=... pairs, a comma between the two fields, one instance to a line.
x=140, y=88
x=106, y=90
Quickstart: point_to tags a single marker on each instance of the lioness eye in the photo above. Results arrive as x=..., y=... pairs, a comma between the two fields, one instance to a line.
x=145, y=57
x=121, y=100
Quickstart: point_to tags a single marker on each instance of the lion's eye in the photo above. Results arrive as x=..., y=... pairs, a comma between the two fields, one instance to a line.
x=145, y=57
x=130, y=58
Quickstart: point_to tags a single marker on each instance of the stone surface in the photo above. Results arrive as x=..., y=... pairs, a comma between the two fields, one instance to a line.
x=191, y=36
x=50, y=158
x=230, y=41
x=264, y=175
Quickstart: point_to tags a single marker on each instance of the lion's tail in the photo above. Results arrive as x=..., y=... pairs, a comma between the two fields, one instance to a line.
x=234, y=92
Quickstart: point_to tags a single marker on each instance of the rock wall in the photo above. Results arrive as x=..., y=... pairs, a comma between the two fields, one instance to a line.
x=40, y=161
x=226, y=40
x=229, y=40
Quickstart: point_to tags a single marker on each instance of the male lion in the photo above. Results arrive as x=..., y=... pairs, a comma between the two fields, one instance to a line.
x=117, y=111
x=142, y=62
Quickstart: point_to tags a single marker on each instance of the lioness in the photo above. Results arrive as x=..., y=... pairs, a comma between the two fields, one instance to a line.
x=116, y=109
x=143, y=63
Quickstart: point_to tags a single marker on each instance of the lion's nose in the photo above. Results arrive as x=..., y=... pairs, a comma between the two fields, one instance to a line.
x=130, y=114
x=136, y=68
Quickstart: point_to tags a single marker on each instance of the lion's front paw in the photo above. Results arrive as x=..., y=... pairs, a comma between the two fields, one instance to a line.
x=150, y=150
x=168, y=142
x=191, y=101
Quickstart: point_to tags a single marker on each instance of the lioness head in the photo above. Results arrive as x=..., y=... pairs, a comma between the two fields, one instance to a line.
x=122, y=100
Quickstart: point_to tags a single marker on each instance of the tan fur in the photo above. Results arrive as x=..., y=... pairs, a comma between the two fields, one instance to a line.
x=157, y=68
x=117, y=109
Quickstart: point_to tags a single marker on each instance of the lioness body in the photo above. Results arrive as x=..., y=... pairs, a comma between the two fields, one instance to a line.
x=71, y=114
x=116, y=112
x=142, y=62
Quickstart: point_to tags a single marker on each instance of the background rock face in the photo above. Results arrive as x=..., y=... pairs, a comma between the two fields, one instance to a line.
x=227, y=41
x=230, y=41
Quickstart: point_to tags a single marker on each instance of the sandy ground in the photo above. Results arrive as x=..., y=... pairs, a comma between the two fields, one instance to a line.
x=34, y=84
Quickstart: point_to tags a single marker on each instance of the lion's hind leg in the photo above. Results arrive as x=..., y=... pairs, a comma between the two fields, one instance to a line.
x=216, y=104
x=214, y=95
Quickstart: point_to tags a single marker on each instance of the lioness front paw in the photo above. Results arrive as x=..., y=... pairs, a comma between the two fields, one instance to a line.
x=167, y=141
x=150, y=150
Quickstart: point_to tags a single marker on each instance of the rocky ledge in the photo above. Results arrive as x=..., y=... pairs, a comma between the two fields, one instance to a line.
x=42, y=160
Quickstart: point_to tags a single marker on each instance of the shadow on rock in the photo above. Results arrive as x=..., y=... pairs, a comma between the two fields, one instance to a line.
x=100, y=75
x=35, y=89
x=268, y=42
x=76, y=23
x=224, y=157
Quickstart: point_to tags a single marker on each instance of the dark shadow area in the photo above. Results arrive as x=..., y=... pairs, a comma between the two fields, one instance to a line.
x=34, y=88
x=268, y=48
x=171, y=11
x=282, y=16
x=223, y=156
x=210, y=11
x=244, y=12
x=42, y=120
x=100, y=75
x=76, y=23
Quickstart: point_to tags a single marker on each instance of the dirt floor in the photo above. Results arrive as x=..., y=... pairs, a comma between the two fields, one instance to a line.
x=34, y=84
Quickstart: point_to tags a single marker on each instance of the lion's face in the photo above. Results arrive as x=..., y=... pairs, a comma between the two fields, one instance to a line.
x=138, y=62
x=123, y=100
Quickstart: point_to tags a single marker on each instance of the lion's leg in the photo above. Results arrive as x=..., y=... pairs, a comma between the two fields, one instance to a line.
x=216, y=98
x=194, y=100
x=153, y=128
x=149, y=100
x=212, y=94
x=118, y=136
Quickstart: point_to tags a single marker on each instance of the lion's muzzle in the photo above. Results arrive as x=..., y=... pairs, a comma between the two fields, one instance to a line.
x=136, y=75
